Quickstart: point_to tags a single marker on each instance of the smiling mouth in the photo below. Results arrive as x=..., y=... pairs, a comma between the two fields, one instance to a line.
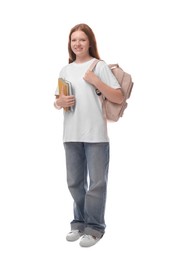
x=77, y=49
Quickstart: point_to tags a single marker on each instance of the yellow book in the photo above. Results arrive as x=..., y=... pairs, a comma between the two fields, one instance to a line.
x=66, y=89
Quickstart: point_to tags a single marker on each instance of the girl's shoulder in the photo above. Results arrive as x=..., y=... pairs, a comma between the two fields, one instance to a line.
x=64, y=70
x=65, y=67
x=102, y=66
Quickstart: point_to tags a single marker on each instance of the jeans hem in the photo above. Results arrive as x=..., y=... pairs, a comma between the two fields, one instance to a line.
x=78, y=226
x=94, y=232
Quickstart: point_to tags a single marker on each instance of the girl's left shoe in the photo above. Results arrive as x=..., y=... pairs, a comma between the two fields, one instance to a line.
x=88, y=240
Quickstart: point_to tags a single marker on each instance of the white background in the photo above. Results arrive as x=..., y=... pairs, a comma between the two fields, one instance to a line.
x=35, y=205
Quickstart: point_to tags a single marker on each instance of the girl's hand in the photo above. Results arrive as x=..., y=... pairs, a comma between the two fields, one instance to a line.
x=91, y=77
x=65, y=101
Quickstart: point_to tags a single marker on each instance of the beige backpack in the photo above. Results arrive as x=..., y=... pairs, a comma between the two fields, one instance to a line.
x=113, y=111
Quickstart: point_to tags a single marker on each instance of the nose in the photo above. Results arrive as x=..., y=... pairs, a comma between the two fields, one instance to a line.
x=77, y=42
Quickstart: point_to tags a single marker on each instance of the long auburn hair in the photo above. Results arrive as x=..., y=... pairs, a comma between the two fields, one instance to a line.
x=93, y=51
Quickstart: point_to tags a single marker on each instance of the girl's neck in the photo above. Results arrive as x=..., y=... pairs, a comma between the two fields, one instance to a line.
x=83, y=59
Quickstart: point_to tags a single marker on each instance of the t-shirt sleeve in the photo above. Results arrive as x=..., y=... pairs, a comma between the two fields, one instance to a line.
x=106, y=75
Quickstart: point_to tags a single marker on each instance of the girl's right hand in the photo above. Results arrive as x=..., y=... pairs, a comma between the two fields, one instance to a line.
x=65, y=101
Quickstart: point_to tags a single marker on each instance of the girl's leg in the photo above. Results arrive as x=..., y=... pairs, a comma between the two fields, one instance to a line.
x=76, y=166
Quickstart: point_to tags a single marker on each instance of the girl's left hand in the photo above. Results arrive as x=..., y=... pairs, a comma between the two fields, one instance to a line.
x=90, y=77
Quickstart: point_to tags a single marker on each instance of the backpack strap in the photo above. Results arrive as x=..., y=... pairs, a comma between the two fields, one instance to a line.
x=92, y=66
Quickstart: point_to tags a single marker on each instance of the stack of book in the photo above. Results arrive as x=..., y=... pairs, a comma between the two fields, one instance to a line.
x=65, y=87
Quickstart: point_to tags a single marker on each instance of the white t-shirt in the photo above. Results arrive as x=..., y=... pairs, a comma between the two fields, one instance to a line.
x=86, y=122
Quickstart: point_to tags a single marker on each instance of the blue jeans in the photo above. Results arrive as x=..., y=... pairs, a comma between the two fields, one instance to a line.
x=87, y=174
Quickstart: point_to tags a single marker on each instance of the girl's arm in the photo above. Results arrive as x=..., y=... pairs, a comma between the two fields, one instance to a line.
x=114, y=95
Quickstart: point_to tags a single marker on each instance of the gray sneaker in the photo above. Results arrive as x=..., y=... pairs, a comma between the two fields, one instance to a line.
x=74, y=235
x=88, y=240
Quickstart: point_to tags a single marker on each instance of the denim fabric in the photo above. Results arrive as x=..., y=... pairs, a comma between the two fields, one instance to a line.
x=87, y=174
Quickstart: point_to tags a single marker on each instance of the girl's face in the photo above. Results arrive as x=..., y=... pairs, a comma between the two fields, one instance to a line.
x=80, y=44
